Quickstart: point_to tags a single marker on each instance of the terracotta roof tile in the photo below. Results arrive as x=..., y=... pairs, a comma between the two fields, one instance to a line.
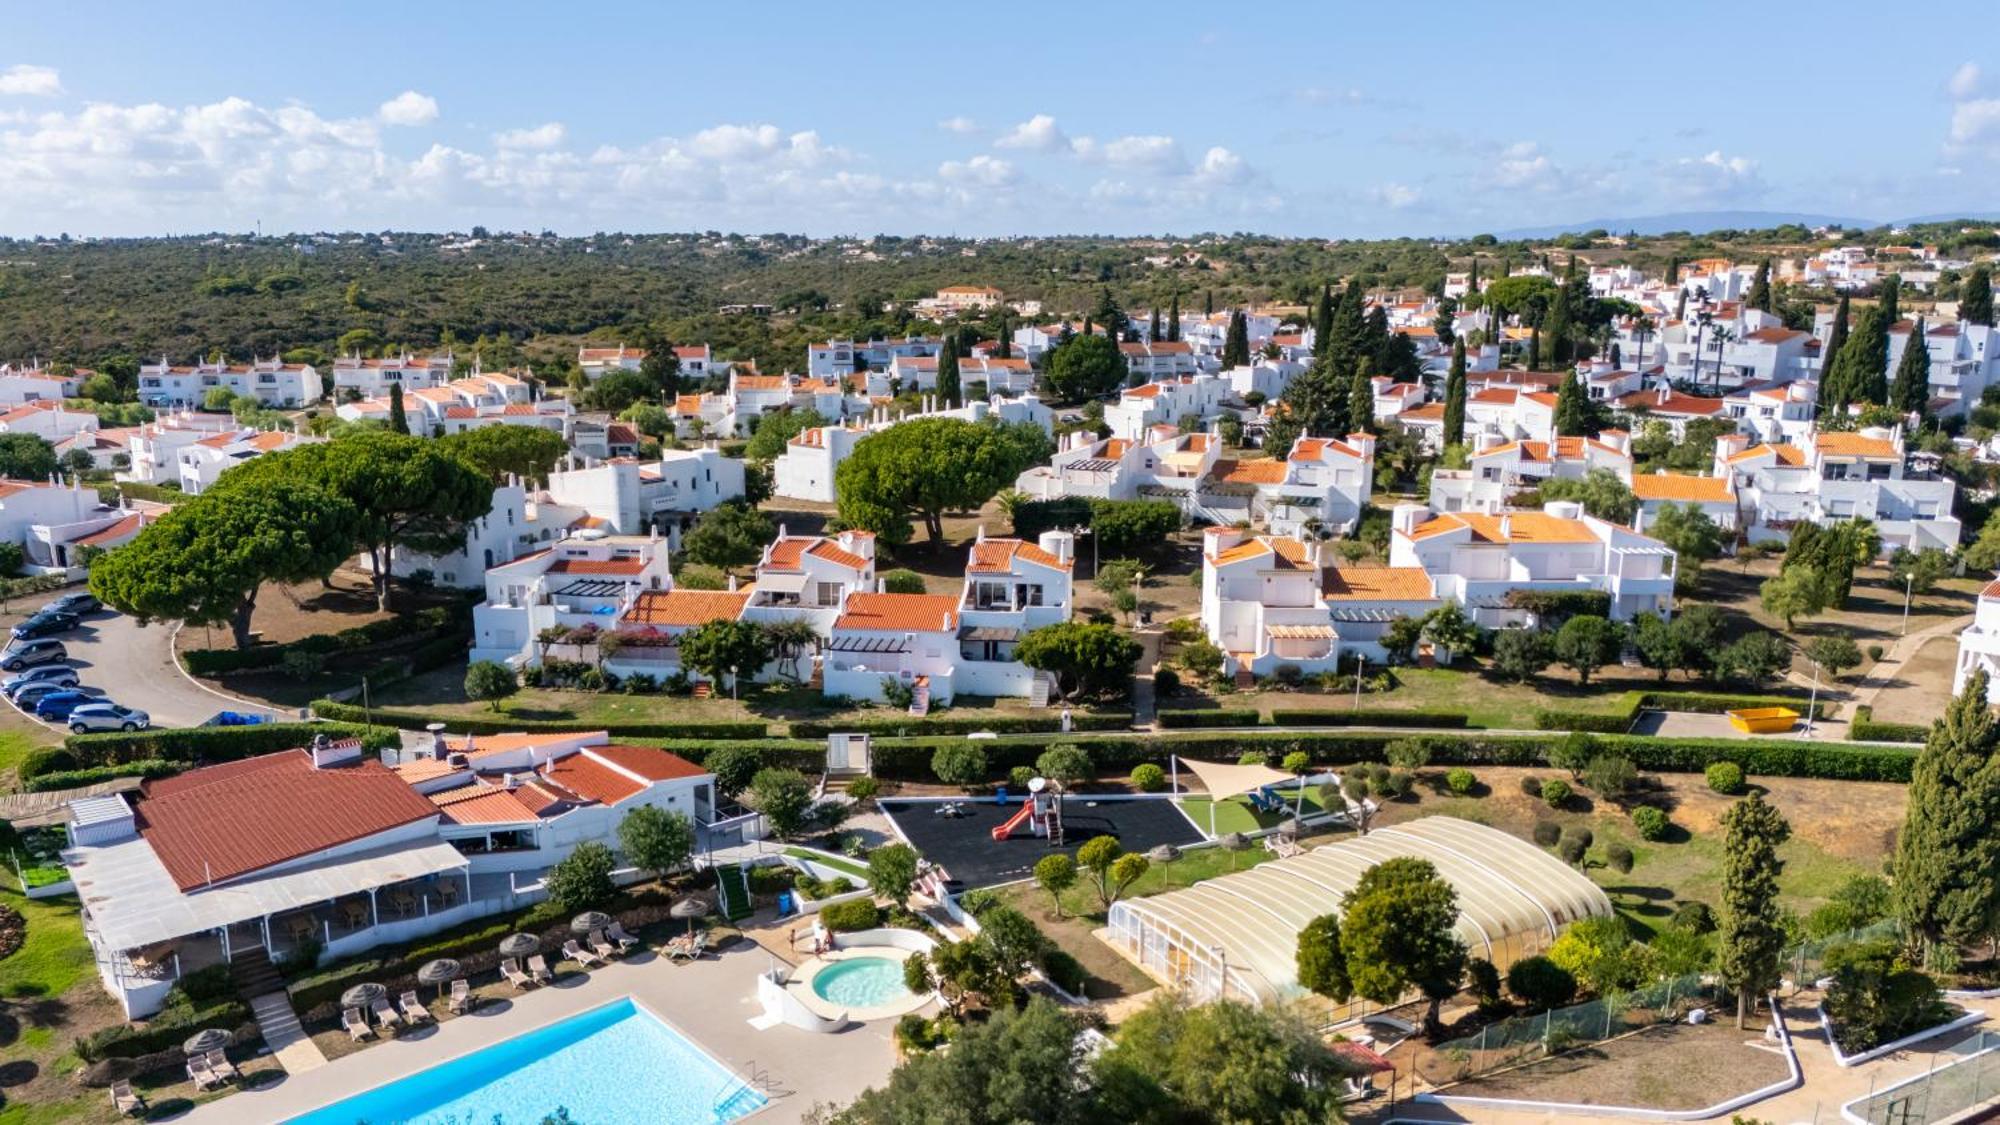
x=1267, y=471
x=648, y=762
x=592, y=780
x=1682, y=488
x=1855, y=445
x=687, y=607
x=912, y=613
x=626, y=566
x=1377, y=584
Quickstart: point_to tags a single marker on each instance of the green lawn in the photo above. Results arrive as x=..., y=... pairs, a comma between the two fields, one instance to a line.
x=846, y=867
x=14, y=746
x=54, y=957
x=53, y=961
x=1236, y=814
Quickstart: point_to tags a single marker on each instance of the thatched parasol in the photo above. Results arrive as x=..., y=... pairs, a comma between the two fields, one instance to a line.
x=1164, y=855
x=211, y=1039
x=363, y=995
x=439, y=972
x=589, y=920
x=691, y=908
x=520, y=945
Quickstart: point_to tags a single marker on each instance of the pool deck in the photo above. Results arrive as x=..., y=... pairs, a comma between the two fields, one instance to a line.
x=710, y=1001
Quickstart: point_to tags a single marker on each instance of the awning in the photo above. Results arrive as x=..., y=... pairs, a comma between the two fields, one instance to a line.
x=989, y=633
x=133, y=902
x=591, y=588
x=1301, y=632
x=783, y=583
x=1226, y=779
x=868, y=644
x=1092, y=465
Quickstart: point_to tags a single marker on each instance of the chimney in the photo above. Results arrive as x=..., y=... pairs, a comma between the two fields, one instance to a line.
x=438, y=750
x=1660, y=396
x=1216, y=540
x=1507, y=525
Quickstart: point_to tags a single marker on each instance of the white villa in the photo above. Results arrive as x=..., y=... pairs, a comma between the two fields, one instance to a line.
x=271, y=382
x=1979, y=645
x=256, y=858
x=208, y=458
x=358, y=378
x=1496, y=472
x=588, y=579
x=1834, y=477
x=1475, y=559
x=807, y=467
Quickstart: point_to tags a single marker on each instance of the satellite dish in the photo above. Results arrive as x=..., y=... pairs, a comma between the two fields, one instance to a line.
x=1037, y=784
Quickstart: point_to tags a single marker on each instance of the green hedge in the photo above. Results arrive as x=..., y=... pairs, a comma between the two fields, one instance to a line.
x=324, y=986
x=1223, y=717
x=422, y=625
x=1864, y=728
x=213, y=744
x=1379, y=717
x=168, y=1029
x=502, y=724
x=909, y=759
x=1633, y=702
x=75, y=779
x=962, y=724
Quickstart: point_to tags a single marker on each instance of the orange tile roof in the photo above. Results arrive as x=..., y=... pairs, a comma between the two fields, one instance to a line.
x=1522, y=527
x=761, y=383
x=912, y=613
x=1428, y=412
x=648, y=762
x=592, y=780
x=1266, y=471
x=1681, y=488
x=1377, y=584
x=220, y=822
x=1855, y=445
x=1786, y=454
x=834, y=553
x=480, y=803
x=996, y=556
x=1287, y=552
x=120, y=531
x=1496, y=396
x=687, y=607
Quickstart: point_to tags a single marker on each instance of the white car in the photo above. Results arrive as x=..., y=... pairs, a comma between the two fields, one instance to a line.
x=107, y=716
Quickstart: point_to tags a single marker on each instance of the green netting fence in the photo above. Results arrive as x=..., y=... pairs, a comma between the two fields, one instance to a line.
x=1961, y=1076
x=1522, y=1038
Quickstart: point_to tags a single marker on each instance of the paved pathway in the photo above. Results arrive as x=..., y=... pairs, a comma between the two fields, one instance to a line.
x=1890, y=666
x=284, y=1034
x=51, y=807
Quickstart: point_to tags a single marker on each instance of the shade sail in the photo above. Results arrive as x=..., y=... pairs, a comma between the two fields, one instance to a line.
x=1227, y=779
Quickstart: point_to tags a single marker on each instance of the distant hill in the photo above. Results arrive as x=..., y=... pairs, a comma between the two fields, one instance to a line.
x=1694, y=222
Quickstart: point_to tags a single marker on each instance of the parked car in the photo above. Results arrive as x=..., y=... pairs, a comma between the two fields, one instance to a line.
x=26, y=654
x=79, y=603
x=60, y=674
x=46, y=623
x=58, y=704
x=107, y=716
x=27, y=696
x=233, y=719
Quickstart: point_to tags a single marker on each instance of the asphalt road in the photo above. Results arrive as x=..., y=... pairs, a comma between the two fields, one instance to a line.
x=134, y=665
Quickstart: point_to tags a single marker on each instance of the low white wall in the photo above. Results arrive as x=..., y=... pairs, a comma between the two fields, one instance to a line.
x=1965, y=1019
x=907, y=940
x=781, y=1005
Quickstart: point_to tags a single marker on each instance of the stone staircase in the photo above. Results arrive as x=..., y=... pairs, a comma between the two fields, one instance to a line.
x=258, y=983
x=733, y=891
x=1041, y=689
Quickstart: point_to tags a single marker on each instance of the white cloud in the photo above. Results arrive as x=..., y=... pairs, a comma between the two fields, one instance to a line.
x=1711, y=178
x=989, y=171
x=1396, y=196
x=1525, y=165
x=1155, y=152
x=960, y=125
x=1222, y=166
x=24, y=80
x=1964, y=81
x=1038, y=133
x=409, y=108
x=538, y=138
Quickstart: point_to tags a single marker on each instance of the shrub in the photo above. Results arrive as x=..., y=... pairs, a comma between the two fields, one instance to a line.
x=1547, y=832
x=1724, y=777
x=959, y=763
x=1166, y=683
x=1149, y=778
x=1695, y=917
x=1020, y=776
x=583, y=878
x=1571, y=849
x=854, y=914
x=215, y=744
x=1253, y=758
x=863, y=789
x=1619, y=857
x=1555, y=792
x=902, y=582
x=1581, y=832
x=1532, y=786
x=1066, y=971
x=1216, y=718
x=1610, y=776
x=1649, y=822
x=1541, y=983
x=1396, y=784
x=46, y=759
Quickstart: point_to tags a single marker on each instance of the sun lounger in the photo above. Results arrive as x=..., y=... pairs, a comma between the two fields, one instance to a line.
x=126, y=1100
x=685, y=948
x=357, y=1028
x=580, y=955
x=511, y=970
x=538, y=968
x=626, y=942
x=461, y=997
x=413, y=1008
x=219, y=1063
x=602, y=947
x=385, y=1015
x=204, y=1078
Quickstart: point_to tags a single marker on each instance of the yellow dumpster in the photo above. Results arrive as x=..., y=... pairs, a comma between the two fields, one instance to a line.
x=1763, y=720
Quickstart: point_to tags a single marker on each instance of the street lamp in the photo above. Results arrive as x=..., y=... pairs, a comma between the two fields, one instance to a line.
x=1812, y=707
x=1909, y=587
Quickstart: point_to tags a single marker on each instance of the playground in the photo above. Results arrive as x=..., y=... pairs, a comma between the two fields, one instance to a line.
x=958, y=833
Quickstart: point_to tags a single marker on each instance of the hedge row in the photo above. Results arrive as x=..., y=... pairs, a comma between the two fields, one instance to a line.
x=76, y=779
x=168, y=1029
x=423, y=624
x=1224, y=717
x=212, y=744
x=1864, y=728
x=1633, y=702
x=962, y=724
x=910, y=759
x=1364, y=717
x=502, y=724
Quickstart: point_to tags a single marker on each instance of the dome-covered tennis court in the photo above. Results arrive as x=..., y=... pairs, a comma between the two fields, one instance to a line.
x=1237, y=935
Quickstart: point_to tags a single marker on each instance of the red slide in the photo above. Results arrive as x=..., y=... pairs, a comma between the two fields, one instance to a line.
x=1002, y=831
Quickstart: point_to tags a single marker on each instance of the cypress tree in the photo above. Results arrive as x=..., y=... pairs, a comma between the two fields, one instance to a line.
x=1560, y=327
x=1006, y=349
x=1892, y=295
x=1681, y=307
x=1360, y=401
x=1348, y=336
x=1573, y=413
x=1948, y=853
x=1760, y=287
x=1322, y=321
x=1871, y=373
x=1174, y=319
x=1153, y=328
x=1673, y=267
x=1975, y=297
x=1454, y=396
x=948, y=391
x=1208, y=302
x=1472, y=277
x=1836, y=338
x=1236, y=343
x=1910, y=393
x=1750, y=936
x=398, y=420
x=1534, y=348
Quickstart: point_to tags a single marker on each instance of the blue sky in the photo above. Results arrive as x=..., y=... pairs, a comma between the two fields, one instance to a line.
x=1027, y=118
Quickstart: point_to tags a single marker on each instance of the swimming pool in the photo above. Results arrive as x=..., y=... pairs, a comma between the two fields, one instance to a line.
x=610, y=1064
x=861, y=982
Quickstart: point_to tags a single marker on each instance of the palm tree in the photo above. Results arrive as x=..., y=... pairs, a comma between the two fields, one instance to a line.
x=1009, y=502
x=1722, y=336
x=1641, y=329
x=792, y=638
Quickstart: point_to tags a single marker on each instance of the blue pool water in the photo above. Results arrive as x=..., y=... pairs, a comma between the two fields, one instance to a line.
x=613, y=1065
x=861, y=982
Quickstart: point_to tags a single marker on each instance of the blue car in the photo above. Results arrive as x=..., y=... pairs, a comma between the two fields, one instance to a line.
x=58, y=705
